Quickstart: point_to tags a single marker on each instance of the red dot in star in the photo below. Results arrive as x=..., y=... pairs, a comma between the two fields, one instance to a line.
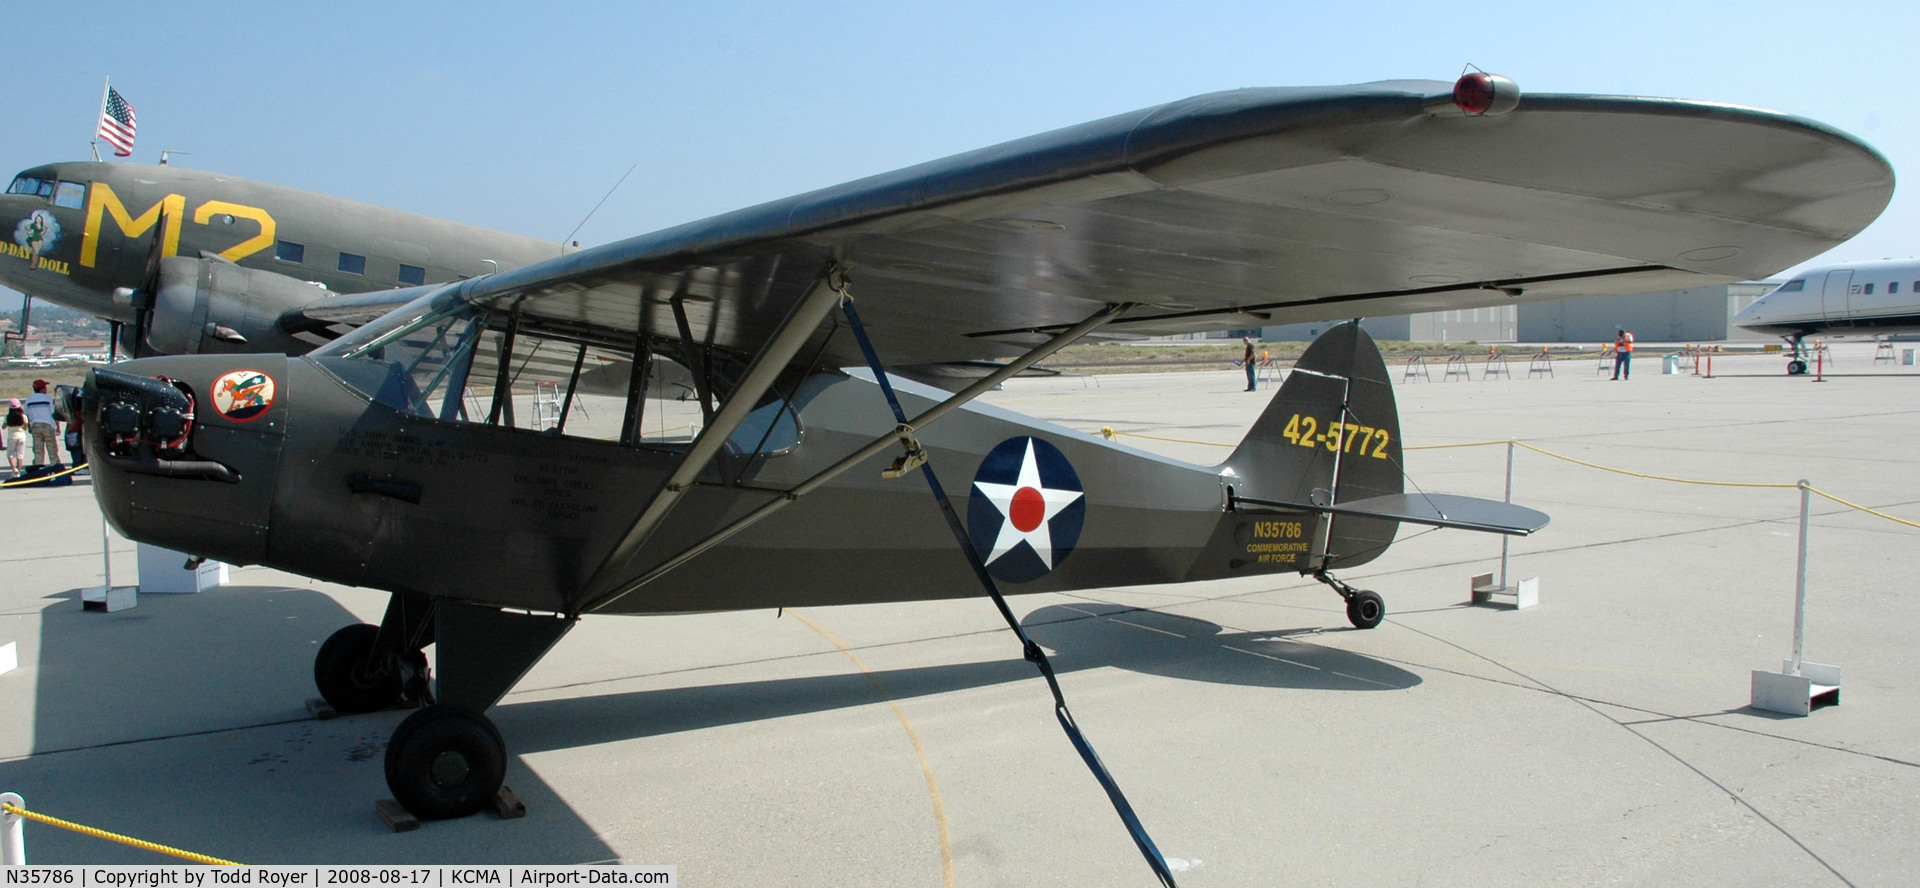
x=1028, y=510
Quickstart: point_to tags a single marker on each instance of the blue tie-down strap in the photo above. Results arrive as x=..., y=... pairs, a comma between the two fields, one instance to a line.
x=1031, y=651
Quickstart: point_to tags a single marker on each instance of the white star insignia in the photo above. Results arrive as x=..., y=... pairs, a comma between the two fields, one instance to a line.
x=1028, y=509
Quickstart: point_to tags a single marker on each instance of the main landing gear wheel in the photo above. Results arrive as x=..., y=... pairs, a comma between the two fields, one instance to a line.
x=1796, y=367
x=1365, y=609
x=445, y=762
x=340, y=671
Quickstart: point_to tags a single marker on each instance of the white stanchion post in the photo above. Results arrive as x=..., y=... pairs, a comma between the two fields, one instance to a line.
x=106, y=554
x=13, y=832
x=1482, y=587
x=1508, y=498
x=1800, y=582
x=1799, y=687
x=106, y=597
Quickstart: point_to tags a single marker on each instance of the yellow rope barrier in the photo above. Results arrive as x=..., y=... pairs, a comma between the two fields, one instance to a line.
x=42, y=479
x=116, y=837
x=1454, y=446
x=1877, y=514
x=1602, y=468
x=1110, y=433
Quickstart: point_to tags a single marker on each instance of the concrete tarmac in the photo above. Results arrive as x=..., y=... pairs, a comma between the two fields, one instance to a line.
x=1602, y=737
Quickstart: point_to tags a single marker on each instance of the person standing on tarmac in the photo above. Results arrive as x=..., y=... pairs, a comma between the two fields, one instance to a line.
x=16, y=436
x=1622, y=353
x=1252, y=368
x=42, y=425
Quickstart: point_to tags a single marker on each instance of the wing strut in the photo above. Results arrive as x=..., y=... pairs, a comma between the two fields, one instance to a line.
x=794, y=331
x=985, y=384
x=917, y=457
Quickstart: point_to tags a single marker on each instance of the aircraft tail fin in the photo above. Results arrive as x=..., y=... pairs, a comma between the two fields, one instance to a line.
x=1335, y=409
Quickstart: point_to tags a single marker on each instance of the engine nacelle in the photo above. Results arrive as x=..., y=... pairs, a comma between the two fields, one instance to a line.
x=211, y=306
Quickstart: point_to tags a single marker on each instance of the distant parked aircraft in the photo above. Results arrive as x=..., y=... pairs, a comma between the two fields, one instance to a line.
x=191, y=261
x=1857, y=299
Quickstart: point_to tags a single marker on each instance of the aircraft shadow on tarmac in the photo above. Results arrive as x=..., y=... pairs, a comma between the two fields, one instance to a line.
x=1088, y=636
x=223, y=670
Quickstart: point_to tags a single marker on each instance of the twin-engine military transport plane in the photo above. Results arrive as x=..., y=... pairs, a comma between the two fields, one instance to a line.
x=185, y=261
x=414, y=455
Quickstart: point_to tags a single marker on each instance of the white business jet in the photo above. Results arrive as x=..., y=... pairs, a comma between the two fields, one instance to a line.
x=1857, y=299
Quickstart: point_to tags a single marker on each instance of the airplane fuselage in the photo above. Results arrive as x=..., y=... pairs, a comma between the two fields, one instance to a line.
x=76, y=232
x=520, y=517
x=1857, y=299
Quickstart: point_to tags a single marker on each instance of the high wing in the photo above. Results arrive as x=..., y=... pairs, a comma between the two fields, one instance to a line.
x=1244, y=208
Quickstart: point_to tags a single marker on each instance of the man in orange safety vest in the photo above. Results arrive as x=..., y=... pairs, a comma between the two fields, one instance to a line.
x=1622, y=354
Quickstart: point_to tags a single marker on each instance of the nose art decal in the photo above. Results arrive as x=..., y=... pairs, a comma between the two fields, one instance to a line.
x=243, y=394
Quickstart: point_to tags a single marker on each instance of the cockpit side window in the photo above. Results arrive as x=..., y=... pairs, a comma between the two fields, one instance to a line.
x=441, y=358
x=72, y=195
x=1793, y=286
x=32, y=186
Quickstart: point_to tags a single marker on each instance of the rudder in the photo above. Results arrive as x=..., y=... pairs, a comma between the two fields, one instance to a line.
x=1335, y=408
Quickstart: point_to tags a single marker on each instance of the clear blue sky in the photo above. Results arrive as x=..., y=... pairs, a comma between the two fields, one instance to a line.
x=519, y=116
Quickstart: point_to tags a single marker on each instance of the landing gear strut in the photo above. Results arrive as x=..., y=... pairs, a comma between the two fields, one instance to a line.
x=1365, y=608
x=1797, y=362
x=447, y=759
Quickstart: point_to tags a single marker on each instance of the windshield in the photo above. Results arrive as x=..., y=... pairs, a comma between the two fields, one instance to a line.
x=31, y=185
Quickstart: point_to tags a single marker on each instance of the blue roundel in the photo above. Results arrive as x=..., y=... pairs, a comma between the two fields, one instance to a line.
x=1026, y=509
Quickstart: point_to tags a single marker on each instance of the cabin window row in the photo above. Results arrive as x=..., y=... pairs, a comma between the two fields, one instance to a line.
x=351, y=263
x=1893, y=288
x=443, y=359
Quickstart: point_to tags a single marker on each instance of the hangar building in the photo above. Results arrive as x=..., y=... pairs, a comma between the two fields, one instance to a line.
x=1700, y=314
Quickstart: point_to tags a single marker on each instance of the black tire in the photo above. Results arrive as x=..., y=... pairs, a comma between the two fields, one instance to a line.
x=340, y=672
x=445, y=762
x=1366, y=609
x=1796, y=368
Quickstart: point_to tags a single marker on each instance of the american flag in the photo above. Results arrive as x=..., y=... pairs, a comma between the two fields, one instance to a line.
x=116, y=123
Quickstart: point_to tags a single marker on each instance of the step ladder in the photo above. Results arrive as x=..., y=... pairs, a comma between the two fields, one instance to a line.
x=546, y=405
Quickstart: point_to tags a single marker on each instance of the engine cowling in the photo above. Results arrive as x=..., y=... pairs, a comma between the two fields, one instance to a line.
x=209, y=306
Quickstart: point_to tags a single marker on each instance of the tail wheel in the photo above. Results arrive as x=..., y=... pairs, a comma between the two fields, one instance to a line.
x=445, y=762
x=340, y=672
x=1365, y=609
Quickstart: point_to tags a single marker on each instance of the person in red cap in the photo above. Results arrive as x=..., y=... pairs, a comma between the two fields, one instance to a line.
x=42, y=425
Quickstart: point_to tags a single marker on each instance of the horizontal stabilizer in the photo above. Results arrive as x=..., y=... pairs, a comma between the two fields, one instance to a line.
x=1434, y=509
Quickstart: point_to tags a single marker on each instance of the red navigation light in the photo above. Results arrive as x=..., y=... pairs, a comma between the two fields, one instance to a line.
x=1478, y=93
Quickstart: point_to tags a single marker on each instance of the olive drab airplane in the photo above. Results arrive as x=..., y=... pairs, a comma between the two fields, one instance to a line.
x=185, y=261
x=499, y=507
